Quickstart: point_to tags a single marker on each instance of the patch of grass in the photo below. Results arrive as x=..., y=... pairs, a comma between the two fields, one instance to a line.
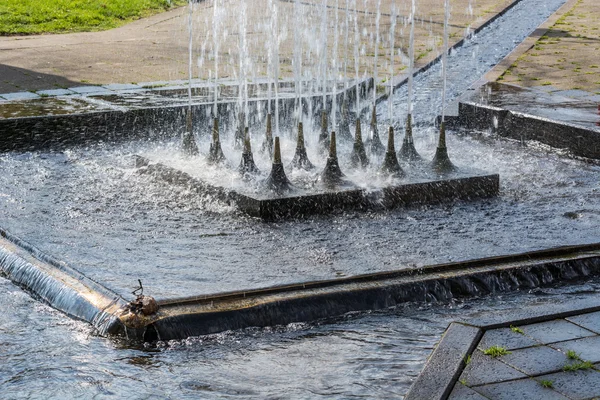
x=468, y=360
x=547, y=83
x=516, y=329
x=23, y=17
x=464, y=382
x=580, y=365
x=496, y=351
x=547, y=384
x=572, y=355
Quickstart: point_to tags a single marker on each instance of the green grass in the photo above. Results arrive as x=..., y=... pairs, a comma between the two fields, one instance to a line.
x=496, y=351
x=547, y=384
x=516, y=329
x=22, y=17
x=580, y=365
x=572, y=355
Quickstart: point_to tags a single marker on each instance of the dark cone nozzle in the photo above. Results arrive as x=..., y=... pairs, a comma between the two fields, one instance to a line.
x=238, y=140
x=247, y=165
x=215, y=153
x=324, y=137
x=277, y=180
x=358, y=157
x=332, y=174
x=374, y=142
x=300, y=160
x=268, y=143
x=188, y=142
x=407, y=151
x=441, y=162
x=390, y=164
x=345, y=121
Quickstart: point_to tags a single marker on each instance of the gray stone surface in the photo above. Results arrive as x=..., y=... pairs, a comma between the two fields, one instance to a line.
x=555, y=331
x=587, y=348
x=575, y=93
x=462, y=392
x=576, y=385
x=535, y=314
x=438, y=377
x=519, y=390
x=536, y=360
x=485, y=369
x=55, y=92
x=589, y=321
x=595, y=98
x=91, y=90
x=506, y=338
x=121, y=86
x=20, y=96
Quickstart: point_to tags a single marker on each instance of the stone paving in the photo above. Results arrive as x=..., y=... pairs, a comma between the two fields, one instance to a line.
x=564, y=60
x=558, y=359
x=156, y=48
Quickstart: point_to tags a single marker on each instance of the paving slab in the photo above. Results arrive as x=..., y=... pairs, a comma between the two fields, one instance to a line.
x=589, y=321
x=520, y=389
x=91, y=90
x=536, y=360
x=121, y=86
x=506, y=338
x=577, y=385
x=555, y=331
x=20, y=96
x=588, y=348
x=484, y=369
x=462, y=392
x=55, y=92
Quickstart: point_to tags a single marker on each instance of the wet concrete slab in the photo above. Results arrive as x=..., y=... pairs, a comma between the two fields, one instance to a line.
x=577, y=385
x=506, y=338
x=483, y=369
x=589, y=321
x=557, y=106
x=536, y=360
x=555, y=331
x=521, y=389
x=587, y=349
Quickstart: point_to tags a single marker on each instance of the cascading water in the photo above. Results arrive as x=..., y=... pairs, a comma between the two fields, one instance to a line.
x=215, y=37
x=392, y=55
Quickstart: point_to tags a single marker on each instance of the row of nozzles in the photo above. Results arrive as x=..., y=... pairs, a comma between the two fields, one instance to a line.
x=331, y=176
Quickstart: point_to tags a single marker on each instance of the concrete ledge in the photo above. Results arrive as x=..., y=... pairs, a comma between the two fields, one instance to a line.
x=446, y=363
x=463, y=186
x=119, y=124
x=520, y=126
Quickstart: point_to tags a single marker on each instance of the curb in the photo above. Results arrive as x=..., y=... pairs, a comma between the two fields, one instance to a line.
x=446, y=363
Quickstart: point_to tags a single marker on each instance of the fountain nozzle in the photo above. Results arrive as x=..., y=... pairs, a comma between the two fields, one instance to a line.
x=247, y=165
x=188, y=142
x=358, y=157
x=407, y=151
x=374, y=142
x=277, y=180
x=300, y=160
x=215, y=153
x=390, y=164
x=332, y=174
x=441, y=162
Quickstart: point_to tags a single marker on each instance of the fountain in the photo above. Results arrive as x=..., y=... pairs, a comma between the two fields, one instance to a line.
x=202, y=156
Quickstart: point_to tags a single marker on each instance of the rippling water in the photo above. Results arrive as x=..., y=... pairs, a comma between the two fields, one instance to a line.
x=43, y=354
x=90, y=208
